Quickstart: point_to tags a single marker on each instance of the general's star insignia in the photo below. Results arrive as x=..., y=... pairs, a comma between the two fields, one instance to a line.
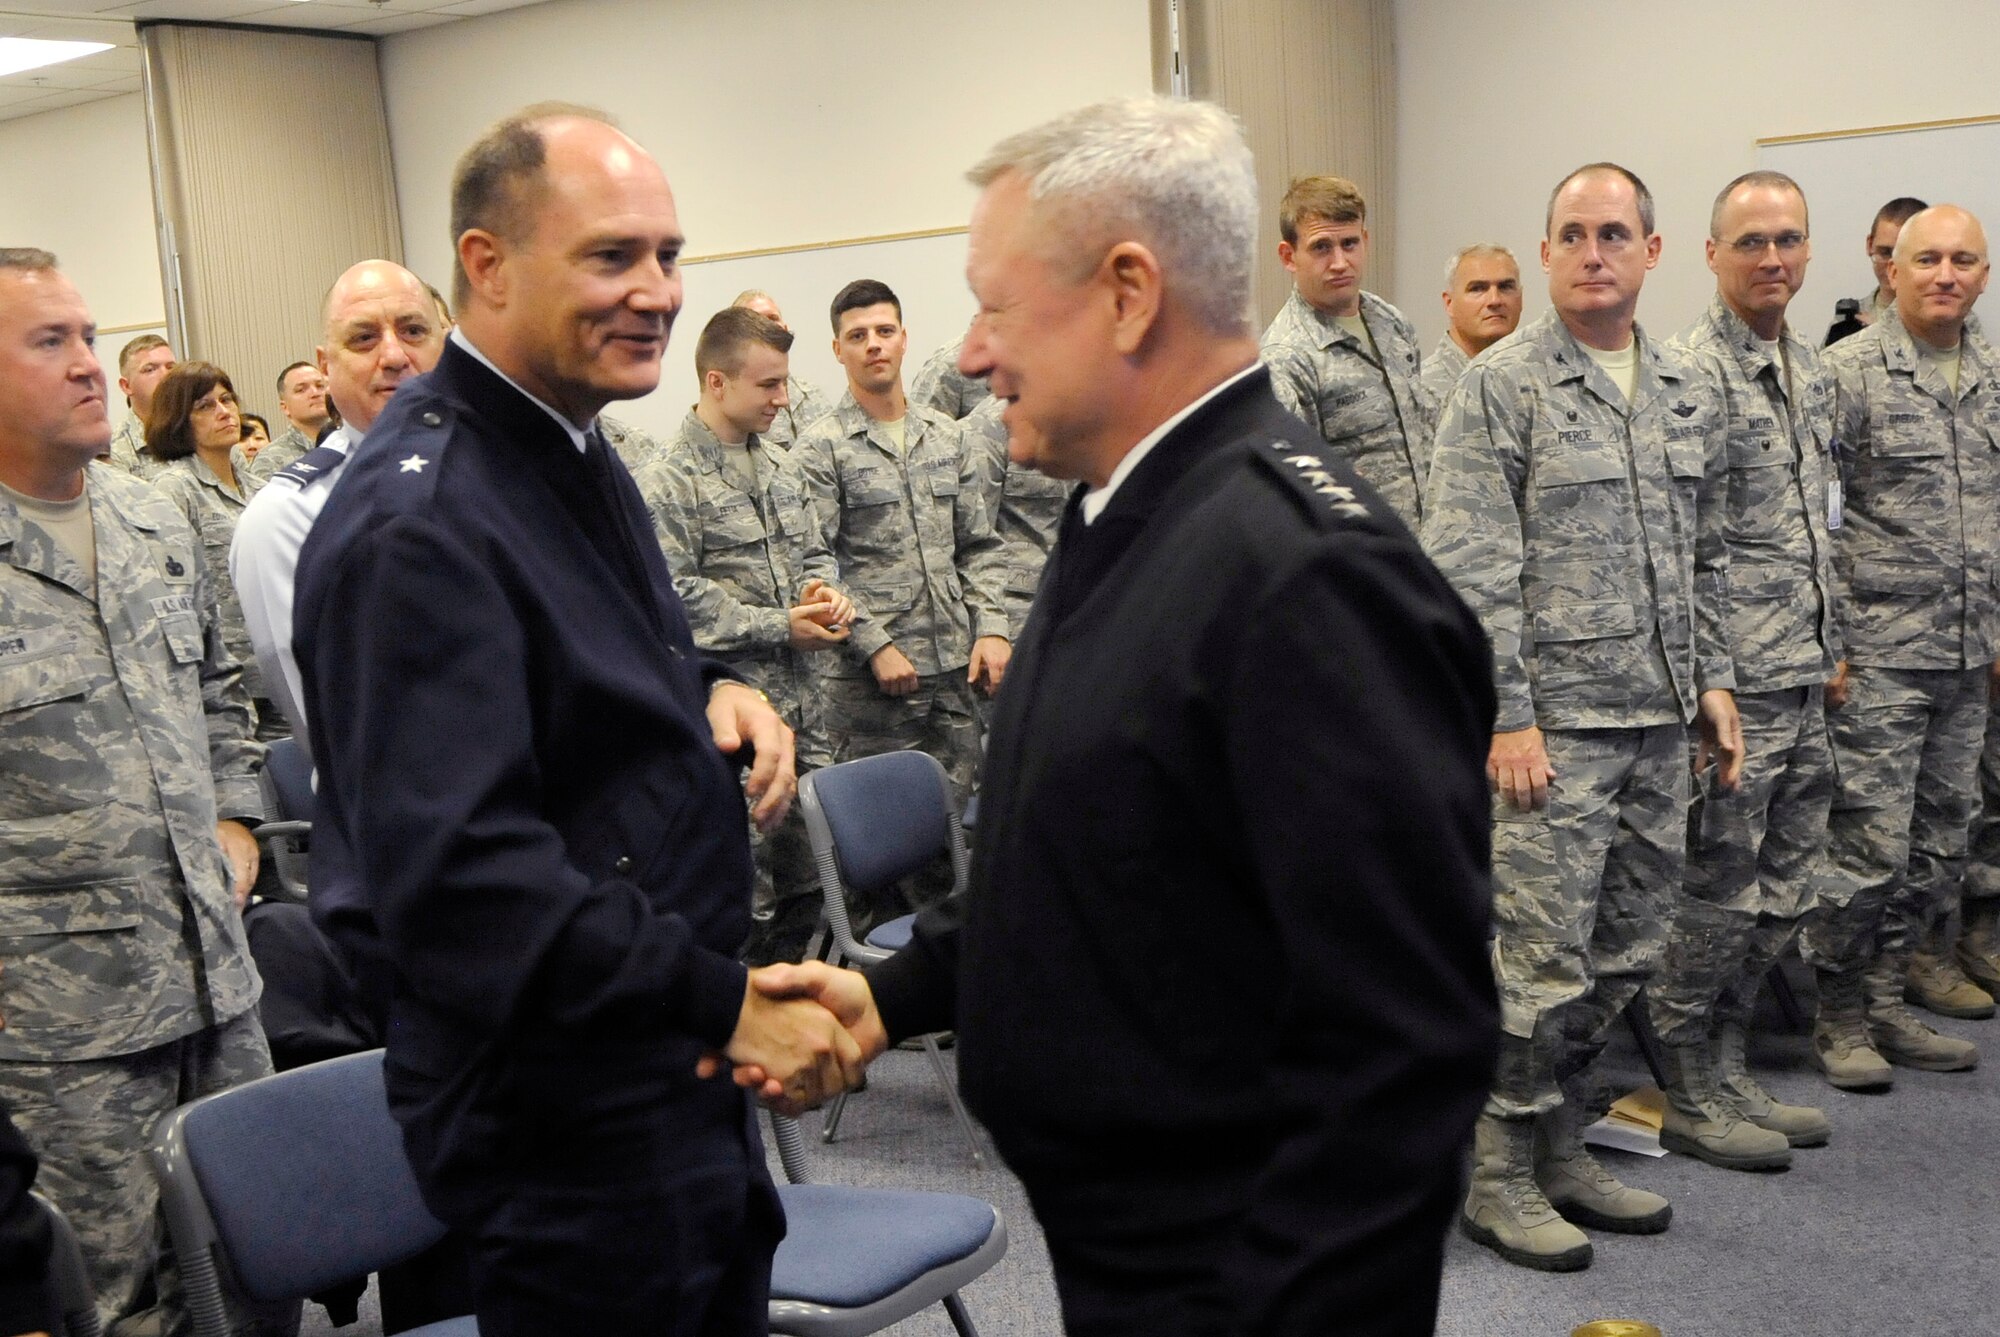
x=415, y=464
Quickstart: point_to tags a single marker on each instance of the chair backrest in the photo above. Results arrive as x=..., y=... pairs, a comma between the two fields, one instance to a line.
x=69, y=1280
x=876, y=820
x=288, y=772
x=288, y=1184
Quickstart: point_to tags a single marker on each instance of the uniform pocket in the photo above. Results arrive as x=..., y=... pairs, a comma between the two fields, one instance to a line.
x=68, y=952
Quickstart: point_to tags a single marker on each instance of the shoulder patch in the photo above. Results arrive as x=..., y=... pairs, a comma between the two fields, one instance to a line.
x=1311, y=473
x=311, y=465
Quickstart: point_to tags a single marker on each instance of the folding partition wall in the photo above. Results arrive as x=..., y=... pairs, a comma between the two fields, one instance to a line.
x=271, y=174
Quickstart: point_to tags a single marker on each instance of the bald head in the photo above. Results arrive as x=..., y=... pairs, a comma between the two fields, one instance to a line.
x=1940, y=269
x=380, y=329
x=763, y=304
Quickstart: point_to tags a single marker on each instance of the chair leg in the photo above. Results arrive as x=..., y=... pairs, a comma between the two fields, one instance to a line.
x=1788, y=1002
x=830, y=1124
x=1642, y=1031
x=962, y=1321
x=957, y=1106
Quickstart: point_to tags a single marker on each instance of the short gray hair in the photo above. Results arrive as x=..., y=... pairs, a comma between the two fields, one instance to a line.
x=1464, y=253
x=1763, y=176
x=1174, y=175
x=29, y=258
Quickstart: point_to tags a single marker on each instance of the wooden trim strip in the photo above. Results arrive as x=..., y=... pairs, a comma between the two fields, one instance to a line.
x=822, y=245
x=1878, y=130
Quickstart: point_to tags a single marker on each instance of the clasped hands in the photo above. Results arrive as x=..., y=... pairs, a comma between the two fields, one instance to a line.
x=805, y=1034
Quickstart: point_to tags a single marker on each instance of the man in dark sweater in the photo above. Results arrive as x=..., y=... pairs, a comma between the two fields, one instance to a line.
x=1220, y=982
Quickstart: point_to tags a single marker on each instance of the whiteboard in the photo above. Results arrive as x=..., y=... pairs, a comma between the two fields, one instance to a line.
x=1848, y=176
x=926, y=272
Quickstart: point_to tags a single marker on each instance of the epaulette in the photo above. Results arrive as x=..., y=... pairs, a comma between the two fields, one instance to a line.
x=406, y=459
x=311, y=465
x=1308, y=472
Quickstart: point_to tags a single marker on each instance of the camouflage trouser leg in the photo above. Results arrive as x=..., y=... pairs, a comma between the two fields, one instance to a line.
x=1906, y=747
x=1751, y=857
x=91, y=1122
x=785, y=899
x=940, y=718
x=1982, y=869
x=1581, y=889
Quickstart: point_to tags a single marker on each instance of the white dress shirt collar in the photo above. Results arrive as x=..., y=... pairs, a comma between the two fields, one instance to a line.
x=1095, y=500
x=576, y=434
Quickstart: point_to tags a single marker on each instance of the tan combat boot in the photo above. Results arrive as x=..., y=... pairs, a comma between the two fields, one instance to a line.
x=1979, y=944
x=1583, y=1190
x=1704, y=1123
x=1841, y=1044
x=1936, y=982
x=1506, y=1210
x=1898, y=1034
x=1802, y=1125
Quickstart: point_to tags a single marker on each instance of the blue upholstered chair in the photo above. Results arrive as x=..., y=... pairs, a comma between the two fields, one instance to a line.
x=873, y=822
x=286, y=786
x=283, y=1186
x=855, y=1260
x=69, y=1280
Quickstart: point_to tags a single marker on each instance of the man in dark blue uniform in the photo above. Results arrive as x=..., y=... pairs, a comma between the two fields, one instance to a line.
x=1220, y=982
x=531, y=841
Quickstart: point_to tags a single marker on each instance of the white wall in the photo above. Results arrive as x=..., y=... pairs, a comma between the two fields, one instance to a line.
x=1497, y=101
x=779, y=122
x=76, y=181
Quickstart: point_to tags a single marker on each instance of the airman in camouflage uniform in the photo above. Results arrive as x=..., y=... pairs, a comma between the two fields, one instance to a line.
x=940, y=385
x=916, y=551
x=1482, y=300
x=1581, y=521
x=1979, y=942
x=1752, y=853
x=127, y=986
x=212, y=508
x=753, y=571
x=302, y=395
x=637, y=448
x=142, y=364
x=1355, y=383
x=1917, y=557
x=286, y=448
x=1025, y=504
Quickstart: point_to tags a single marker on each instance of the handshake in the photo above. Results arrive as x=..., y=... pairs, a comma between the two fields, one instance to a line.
x=805, y=1034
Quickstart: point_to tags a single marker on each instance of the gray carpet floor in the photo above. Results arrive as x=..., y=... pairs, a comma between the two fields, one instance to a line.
x=1893, y=1229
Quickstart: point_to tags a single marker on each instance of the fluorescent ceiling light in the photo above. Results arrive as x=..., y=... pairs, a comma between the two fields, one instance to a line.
x=31, y=53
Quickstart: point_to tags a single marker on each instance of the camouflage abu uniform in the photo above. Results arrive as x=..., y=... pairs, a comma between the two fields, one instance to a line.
x=213, y=510
x=126, y=443
x=805, y=405
x=1589, y=542
x=739, y=561
x=1752, y=854
x=286, y=448
x=635, y=447
x=1916, y=561
x=918, y=556
x=1370, y=407
x=1442, y=369
x=942, y=386
x=127, y=985
x=1026, y=507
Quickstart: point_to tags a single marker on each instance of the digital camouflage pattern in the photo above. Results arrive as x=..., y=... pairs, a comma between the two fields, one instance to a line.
x=1982, y=872
x=911, y=537
x=1441, y=370
x=1026, y=506
x=124, y=731
x=940, y=385
x=805, y=405
x=1919, y=551
x=287, y=447
x=739, y=561
x=1371, y=408
x=1906, y=756
x=1782, y=619
x=125, y=444
x=632, y=445
x=1588, y=541
x=1582, y=889
x=212, y=510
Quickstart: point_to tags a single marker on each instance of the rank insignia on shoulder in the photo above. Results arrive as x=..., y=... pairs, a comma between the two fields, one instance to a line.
x=1341, y=499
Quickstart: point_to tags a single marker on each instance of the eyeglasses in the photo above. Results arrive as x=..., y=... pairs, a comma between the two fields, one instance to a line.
x=1756, y=243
